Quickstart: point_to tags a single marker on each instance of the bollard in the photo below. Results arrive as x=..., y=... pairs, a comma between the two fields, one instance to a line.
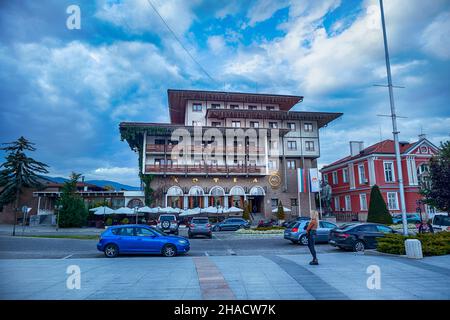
x=413, y=249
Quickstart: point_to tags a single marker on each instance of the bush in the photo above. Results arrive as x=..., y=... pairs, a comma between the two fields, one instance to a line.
x=433, y=244
x=269, y=228
x=378, y=212
x=125, y=221
x=109, y=222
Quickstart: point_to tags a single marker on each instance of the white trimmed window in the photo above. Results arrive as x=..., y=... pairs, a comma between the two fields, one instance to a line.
x=197, y=107
x=292, y=145
x=254, y=124
x=325, y=178
x=335, y=177
x=345, y=175
x=361, y=174
x=337, y=205
x=291, y=125
x=363, y=201
x=290, y=164
x=389, y=171
x=273, y=125
x=236, y=124
x=392, y=200
x=348, y=203
x=308, y=127
x=272, y=164
x=309, y=145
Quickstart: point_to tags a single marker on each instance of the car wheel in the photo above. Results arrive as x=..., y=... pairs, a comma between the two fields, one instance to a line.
x=294, y=241
x=304, y=240
x=358, y=246
x=169, y=250
x=111, y=251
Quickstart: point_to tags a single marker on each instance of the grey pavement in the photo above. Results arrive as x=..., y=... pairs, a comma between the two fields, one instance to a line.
x=340, y=275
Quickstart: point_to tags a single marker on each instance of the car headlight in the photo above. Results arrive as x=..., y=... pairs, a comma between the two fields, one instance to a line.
x=182, y=241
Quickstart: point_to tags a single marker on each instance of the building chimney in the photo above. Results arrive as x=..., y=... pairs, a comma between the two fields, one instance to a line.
x=356, y=147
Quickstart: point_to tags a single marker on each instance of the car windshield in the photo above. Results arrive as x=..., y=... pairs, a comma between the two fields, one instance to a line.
x=167, y=218
x=441, y=220
x=346, y=226
x=200, y=221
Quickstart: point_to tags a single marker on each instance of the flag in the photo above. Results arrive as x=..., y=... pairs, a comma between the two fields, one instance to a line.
x=302, y=180
x=314, y=180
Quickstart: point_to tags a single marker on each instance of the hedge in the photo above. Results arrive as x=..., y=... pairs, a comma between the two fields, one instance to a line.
x=433, y=244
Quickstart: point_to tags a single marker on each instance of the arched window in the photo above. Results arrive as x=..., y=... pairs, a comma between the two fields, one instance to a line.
x=196, y=191
x=257, y=191
x=217, y=191
x=135, y=203
x=423, y=175
x=175, y=191
x=237, y=191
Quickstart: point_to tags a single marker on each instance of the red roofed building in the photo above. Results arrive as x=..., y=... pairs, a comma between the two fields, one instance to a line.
x=351, y=178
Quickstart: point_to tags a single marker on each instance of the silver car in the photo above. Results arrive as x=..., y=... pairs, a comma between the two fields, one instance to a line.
x=297, y=232
x=200, y=226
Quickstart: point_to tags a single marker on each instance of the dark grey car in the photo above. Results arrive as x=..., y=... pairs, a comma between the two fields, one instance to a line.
x=232, y=224
x=200, y=226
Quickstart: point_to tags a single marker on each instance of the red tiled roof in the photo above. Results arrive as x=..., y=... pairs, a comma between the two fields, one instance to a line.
x=385, y=146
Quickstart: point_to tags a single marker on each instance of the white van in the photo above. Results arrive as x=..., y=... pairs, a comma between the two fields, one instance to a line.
x=441, y=222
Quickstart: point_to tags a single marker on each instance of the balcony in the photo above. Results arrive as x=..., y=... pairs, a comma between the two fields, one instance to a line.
x=206, y=169
x=159, y=148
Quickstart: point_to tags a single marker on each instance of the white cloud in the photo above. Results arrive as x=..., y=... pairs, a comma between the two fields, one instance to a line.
x=263, y=10
x=436, y=37
x=216, y=44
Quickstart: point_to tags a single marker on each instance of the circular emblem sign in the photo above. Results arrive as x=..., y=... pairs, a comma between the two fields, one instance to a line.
x=274, y=180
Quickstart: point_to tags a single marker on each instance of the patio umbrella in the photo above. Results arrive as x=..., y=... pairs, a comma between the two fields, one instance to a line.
x=102, y=210
x=149, y=210
x=190, y=212
x=284, y=208
x=169, y=210
x=124, y=210
x=233, y=210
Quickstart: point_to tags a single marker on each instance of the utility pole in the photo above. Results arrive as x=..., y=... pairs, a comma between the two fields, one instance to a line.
x=394, y=126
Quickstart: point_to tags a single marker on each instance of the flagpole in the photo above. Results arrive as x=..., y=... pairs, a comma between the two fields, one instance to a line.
x=309, y=191
x=299, y=182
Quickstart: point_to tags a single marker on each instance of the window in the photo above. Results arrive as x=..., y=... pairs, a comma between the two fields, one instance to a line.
x=273, y=125
x=197, y=107
x=274, y=203
x=272, y=164
x=363, y=201
x=126, y=231
x=270, y=108
x=337, y=205
x=197, y=123
x=308, y=127
x=291, y=125
x=328, y=225
x=367, y=228
x=441, y=220
x=292, y=145
x=362, y=174
x=144, y=232
x=252, y=107
x=335, y=177
x=348, y=203
x=345, y=175
x=384, y=229
x=294, y=202
x=389, y=171
x=234, y=106
x=291, y=164
x=215, y=124
x=392, y=200
x=325, y=178
x=236, y=124
x=254, y=124
x=309, y=145
x=215, y=106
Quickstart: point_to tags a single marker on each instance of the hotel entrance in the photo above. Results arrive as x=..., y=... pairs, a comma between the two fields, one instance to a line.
x=256, y=204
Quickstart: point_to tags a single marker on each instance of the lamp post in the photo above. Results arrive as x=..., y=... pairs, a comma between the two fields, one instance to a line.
x=136, y=211
x=395, y=131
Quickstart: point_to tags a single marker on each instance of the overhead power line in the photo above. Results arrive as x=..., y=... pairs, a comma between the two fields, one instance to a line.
x=179, y=41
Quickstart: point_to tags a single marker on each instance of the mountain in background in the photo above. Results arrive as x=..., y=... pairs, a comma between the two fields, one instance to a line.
x=101, y=183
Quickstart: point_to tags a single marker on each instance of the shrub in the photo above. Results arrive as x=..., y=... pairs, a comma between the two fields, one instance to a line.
x=378, y=211
x=280, y=211
x=433, y=244
x=125, y=221
x=109, y=222
x=269, y=228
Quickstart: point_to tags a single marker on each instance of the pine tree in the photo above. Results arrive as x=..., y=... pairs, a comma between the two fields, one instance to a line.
x=378, y=211
x=19, y=171
x=246, y=213
x=72, y=211
x=280, y=212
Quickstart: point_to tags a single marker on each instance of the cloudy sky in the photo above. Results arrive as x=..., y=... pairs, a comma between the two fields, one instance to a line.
x=67, y=90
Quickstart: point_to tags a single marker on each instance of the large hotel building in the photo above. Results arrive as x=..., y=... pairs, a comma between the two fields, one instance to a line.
x=228, y=148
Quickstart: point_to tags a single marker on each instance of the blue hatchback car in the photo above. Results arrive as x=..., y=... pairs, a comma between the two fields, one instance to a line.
x=140, y=239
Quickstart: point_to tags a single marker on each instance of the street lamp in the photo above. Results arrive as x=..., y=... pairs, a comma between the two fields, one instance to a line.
x=136, y=212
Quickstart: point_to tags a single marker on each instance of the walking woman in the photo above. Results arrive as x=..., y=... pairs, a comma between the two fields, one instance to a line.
x=311, y=233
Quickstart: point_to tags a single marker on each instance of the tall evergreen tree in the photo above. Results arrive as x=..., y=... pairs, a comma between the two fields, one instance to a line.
x=378, y=211
x=280, y=211
x=436, y=187
x=19, y=171
x=72, y=210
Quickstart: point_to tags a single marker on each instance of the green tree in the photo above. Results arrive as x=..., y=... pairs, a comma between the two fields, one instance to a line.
x=72, y=211
x=19, y=171
x=246, y=213
x=280, y=211
x=378, y=211
x=436, y=187
x=148, y=191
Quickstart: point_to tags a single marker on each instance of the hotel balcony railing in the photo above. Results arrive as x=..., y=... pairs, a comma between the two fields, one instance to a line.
x=205, y=169
x=159, y=148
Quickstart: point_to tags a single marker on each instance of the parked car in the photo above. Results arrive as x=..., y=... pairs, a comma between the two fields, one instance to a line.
x=441, y=222
x=267, y=223
x=232, y=224
x=199, y=226
x=289, y=222
x=358, y=236
x=140, y=239
x=410, y=218
x=296, y=232
x=168, y=223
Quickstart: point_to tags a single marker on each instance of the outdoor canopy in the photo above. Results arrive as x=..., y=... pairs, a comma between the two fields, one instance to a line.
x=102, y=210
x=124, y=210
x=284, y=208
